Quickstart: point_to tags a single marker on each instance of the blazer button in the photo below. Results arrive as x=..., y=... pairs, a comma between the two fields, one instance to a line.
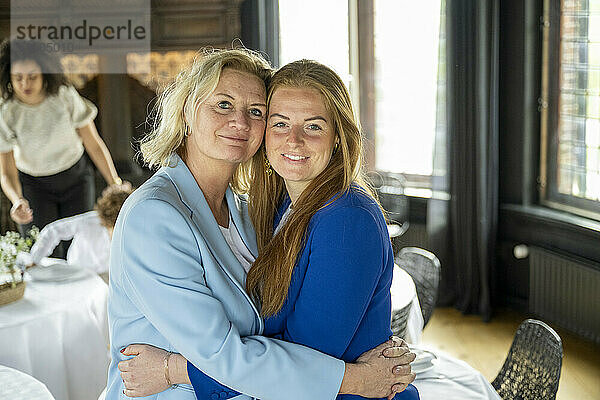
x=214, y=396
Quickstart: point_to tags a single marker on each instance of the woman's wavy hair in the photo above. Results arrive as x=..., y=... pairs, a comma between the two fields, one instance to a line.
x=270, y=276
x=193, y=86
x=12, y=51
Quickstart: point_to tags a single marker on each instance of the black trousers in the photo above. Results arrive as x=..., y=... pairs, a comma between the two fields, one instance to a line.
x=61, y=195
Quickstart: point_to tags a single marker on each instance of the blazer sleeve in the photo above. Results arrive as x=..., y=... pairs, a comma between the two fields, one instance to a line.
x=345, y=265
x=163, y=273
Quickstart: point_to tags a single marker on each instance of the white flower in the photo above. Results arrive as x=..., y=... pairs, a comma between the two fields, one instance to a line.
x=11, y=244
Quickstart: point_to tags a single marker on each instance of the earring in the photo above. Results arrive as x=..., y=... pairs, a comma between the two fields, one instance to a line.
x=268, y=168
x=187, y=131
x=335, y=147
x=9, y=87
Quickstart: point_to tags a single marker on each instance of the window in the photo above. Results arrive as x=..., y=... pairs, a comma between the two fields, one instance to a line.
x=405, y=57
x=304, y=33
x=406, y=68
x=570, y=106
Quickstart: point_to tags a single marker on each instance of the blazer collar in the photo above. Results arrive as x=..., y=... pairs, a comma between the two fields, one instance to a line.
x=238, y=208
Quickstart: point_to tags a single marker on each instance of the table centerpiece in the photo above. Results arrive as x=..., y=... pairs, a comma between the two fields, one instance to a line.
x=12, y=285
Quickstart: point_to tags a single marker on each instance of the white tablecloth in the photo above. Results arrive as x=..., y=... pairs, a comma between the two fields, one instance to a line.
x=16, y=385
x=58, y=333
x=404, y=292
x=453, y=379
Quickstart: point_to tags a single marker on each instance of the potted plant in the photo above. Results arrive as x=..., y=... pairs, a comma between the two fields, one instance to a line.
x=12, y=286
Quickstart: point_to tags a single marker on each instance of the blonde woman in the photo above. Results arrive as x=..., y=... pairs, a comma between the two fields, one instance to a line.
x=183, y=243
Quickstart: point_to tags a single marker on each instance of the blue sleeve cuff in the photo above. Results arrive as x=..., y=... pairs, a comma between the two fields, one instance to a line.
x=410, y=393
x=206, y=387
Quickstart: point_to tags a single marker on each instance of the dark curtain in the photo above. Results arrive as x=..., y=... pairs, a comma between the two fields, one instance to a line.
x=462, y=214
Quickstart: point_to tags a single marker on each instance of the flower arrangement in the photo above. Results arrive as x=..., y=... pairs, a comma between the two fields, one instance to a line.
x=11, y=244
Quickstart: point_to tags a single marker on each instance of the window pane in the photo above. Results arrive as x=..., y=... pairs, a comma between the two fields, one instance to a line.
x=578, y=155
x=406, y=58
x=305, y=33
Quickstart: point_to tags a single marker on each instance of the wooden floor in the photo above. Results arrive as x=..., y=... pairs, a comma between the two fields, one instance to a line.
x=485, y=346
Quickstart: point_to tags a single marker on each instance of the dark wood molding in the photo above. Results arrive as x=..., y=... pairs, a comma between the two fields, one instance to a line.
x=550, y=229
x=366, y=73
x=190, y=24
x=4, y=19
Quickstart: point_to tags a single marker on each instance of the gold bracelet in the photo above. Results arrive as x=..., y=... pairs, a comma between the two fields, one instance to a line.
x=118, y=181
x=166, y=362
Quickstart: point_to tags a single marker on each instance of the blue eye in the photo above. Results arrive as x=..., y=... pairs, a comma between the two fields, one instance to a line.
x=256, y=112
x=314, y=127
x=279, y=125
x=225, y=105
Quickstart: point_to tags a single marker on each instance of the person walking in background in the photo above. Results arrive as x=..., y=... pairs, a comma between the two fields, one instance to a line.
x=45, y=128
x=91, y=232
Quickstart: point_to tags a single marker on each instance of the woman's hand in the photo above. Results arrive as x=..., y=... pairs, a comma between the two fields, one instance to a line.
x=20, y=212
x=380, y=372
x=121, y=184
x=145, y=374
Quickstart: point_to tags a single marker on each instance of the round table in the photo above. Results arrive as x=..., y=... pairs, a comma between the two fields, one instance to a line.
x=452, y=379
x=58, y=333
x=16, y=385
x=403, y=293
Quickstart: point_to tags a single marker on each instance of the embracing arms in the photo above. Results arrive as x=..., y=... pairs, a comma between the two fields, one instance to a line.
x=165, y=277
x=382, y=371
x=370, y=376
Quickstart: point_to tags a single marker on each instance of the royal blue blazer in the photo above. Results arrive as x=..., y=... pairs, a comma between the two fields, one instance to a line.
x=339, y=298
x=176, y=284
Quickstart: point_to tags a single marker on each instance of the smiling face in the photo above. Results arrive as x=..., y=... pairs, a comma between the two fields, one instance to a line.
x=230, y=123
x=27, y=81
x=300, y=136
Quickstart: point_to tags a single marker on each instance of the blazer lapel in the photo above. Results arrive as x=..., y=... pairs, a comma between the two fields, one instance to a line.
x=239, y=213
x=191, y=194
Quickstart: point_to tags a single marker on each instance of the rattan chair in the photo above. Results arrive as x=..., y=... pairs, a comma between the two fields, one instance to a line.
x=390, y=192
x=531, y=370
x=400, y=320
x=424, y=268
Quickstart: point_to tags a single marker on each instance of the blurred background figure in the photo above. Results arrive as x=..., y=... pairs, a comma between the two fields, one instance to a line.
x=45, y=128
x=91, y=232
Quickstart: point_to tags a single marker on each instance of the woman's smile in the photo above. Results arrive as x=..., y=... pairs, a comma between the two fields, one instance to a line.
x=294, y=158
x=300, y=136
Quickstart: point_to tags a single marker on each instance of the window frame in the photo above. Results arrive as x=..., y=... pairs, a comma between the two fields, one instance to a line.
x=549, y=104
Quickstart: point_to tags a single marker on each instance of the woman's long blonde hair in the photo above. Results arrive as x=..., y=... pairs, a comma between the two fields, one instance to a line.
x=270, y=275
x=192, y=86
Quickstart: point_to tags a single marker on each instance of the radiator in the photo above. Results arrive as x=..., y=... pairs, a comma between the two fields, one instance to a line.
x=565, y=291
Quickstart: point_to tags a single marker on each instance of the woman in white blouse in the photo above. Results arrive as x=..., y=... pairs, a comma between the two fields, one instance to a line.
x=45, y=126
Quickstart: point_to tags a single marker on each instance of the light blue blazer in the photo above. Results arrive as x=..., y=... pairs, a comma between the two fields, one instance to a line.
x=175, y=284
